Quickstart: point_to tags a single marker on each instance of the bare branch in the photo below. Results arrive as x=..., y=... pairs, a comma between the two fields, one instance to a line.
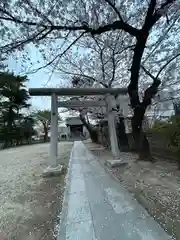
x=119, y=52
x=115, y=9
x=150, y=12
x=97, y=43
x=169, y=85
x=9, y=47
x=168, y=98
x=161, y=11
x=95, y=14
x=78, y=74
x=115, y=25
x=57, y=61
x=85, y=76
x=148, y=73
x=168, y=62
x=153, y=89
x=102, y=61
x=161, y=38
x=102, y=65
x=151, y=92
x=31, y=23
x=113, y=69
x=44, y=35
x=59, y=55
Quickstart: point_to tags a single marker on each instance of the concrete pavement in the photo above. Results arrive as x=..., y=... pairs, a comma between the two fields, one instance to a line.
x=96, y=207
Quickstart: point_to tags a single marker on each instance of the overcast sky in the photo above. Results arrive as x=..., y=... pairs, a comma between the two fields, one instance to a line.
x=43, y=78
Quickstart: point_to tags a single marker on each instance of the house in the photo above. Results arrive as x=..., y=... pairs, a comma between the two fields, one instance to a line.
x=76, y=127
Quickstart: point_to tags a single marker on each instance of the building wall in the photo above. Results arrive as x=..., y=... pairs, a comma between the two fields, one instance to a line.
x=73, y=121
x=63, y=131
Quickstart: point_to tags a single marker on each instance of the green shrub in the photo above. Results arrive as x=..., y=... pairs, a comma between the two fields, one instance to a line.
x=171, y=131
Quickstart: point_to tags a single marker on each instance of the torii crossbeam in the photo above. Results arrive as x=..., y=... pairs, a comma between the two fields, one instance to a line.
x=81, y=104
x=76, y=91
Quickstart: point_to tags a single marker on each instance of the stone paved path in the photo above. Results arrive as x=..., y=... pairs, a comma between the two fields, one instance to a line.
x=96, y=207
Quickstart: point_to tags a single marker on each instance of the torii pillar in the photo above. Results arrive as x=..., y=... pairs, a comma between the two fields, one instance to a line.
x=111, y=104
x=54, y=131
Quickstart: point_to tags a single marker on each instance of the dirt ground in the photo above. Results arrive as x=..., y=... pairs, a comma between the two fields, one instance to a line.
x=29, y=204
x=155, y=186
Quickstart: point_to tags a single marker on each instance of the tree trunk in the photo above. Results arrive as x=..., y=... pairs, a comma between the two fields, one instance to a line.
x=45, y=133
x=121, y=134
x=140, y=140
x=92, y=132
x=45, y=136
x=10, y=128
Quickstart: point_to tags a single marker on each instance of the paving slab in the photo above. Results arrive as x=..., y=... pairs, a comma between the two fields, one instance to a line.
x=96, y=207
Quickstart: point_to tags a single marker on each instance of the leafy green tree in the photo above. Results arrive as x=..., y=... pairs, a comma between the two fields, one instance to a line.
x=170, y=130
x=13, y=98
x=25, y=130
x=44, y=117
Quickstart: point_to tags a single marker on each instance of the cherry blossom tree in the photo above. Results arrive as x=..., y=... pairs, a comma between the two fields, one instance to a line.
x=99, y=62
x=59, y=25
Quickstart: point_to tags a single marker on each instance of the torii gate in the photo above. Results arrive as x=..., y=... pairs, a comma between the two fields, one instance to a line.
x=110, y=103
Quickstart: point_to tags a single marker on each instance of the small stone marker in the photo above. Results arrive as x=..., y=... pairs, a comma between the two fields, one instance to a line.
x=116, y=163
x=53, y=171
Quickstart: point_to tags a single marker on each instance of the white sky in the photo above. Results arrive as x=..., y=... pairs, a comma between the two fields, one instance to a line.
x=36, y=80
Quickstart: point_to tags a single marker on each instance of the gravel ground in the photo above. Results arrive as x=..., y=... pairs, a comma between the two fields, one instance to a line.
x=30, y=204
x=156, y=186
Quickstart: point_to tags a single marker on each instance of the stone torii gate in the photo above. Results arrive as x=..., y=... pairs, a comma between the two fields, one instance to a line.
x=109, y=102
